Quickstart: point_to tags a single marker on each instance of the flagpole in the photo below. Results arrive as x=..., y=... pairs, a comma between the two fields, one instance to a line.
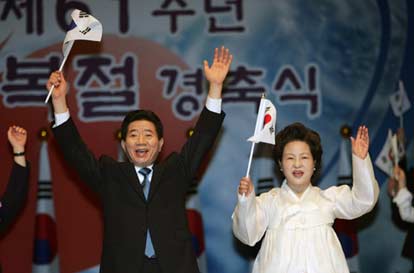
x=250, y=160
x=257, y=128
x=68, y=49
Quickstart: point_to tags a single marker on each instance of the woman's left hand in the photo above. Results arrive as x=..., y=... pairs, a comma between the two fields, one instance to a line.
x=360, y=143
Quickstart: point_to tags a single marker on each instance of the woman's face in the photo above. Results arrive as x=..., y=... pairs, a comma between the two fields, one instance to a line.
x=297, y=165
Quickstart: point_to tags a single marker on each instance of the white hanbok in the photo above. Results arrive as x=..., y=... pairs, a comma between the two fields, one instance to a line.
x=299, y=237
x=403, y=199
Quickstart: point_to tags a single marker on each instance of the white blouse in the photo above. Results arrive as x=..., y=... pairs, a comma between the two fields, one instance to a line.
x=299, y=237
x=403, y=201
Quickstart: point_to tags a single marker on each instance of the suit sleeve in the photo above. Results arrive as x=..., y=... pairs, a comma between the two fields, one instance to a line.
x=202, y=140
x=13, y=200
x=77, y=154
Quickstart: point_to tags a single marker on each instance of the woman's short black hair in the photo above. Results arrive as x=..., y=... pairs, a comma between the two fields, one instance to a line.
x=141, y=115
x=299, y=132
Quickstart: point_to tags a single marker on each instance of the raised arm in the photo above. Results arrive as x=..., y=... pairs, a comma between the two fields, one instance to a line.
x=361, y=199
x=210, y=120
x=14, y=197
x=75, y=151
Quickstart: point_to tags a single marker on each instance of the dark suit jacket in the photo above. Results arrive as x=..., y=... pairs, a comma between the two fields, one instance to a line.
x=14, y=197
x=127, y=215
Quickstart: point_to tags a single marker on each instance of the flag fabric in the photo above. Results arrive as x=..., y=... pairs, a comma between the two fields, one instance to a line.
x=265, y=123
x=195, y=223
x=399, y=101
x=347, y=229
x=45, y=257
x=385, y=159
x=83, y=27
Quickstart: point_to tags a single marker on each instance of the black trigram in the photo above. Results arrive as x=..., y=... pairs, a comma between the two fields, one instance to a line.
x=85, y=31
x=44, y=190
x=83, y=14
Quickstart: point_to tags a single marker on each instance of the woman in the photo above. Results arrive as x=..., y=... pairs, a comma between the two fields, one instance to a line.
x=297, y=217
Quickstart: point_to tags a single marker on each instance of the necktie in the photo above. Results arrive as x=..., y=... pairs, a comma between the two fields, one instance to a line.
x=149, y=248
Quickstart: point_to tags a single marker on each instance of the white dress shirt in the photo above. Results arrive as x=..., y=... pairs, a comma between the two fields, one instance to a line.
x=141, y=177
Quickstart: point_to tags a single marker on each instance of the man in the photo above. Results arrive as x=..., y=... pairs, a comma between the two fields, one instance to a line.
x=145, y=224
x=13, y=199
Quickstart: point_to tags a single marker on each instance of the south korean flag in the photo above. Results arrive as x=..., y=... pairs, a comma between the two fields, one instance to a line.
x=83, y=27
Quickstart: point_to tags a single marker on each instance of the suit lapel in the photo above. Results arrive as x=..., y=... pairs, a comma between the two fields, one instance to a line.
x=132, y=178
x=156, y=179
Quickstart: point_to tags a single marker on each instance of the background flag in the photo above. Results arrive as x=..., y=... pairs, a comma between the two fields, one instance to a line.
x=399, y=101
x=385, y=159
x=195, y=223
x=45, y=258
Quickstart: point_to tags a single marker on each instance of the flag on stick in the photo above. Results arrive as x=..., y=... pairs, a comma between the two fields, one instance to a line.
x=83, y=27
x=265, y=123
x=265, y=127
x=385, y=159
x=400, y=103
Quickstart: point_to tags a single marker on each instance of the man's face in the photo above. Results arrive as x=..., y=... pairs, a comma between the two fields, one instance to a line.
x=141, y=143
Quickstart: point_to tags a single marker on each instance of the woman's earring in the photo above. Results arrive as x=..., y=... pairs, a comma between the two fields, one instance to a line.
x=281, y=169
x=314, y=168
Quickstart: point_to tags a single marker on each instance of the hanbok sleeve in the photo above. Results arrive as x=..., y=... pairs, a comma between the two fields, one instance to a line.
x=352, y=203
x=403, y=200
x=251, y=217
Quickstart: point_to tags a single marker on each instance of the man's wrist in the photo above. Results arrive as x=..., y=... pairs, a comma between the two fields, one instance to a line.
x=215, y=90
x=19, y=153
